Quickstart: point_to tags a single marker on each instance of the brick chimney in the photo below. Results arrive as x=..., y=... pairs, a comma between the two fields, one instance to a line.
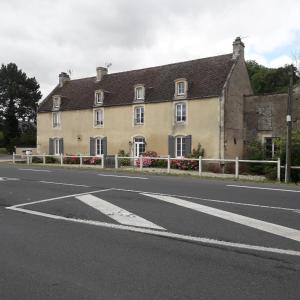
x=63, y=77
x=100, y=72
x=238, y=48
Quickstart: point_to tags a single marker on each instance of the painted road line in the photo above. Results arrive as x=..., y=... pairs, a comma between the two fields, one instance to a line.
x=214, y=200
x=121, y=176
x=60, y=197
x=8, y=179
x=62, y=183
x=117, y=213
x=165, y=234
x=262, y=188
x=35, y=170
x=279, y=230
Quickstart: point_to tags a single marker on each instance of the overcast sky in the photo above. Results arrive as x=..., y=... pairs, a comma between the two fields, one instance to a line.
x=45, y=37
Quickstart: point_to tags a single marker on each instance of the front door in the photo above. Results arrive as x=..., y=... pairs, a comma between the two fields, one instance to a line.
x=139, y=146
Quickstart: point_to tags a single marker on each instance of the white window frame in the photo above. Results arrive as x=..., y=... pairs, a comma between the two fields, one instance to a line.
x=99, y=142
x=179, y=116
x=101, y=124
x=139, y=93
x=56, y=102
x=182, y=150
x=139, y=115
x=137, y=142
x=99, y=96
x=56, y=124
x=181, y=87
x=56, y=146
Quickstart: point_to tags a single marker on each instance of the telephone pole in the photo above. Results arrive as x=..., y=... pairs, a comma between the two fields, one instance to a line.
x=289, y=128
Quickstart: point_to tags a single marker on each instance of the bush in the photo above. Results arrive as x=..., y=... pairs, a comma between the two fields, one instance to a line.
x=92, y=161
x=36, y=160
x=185, y=164
x=73, y=160
x=199, y=151
x=51, y=160
x=159, y=163
x=146, y=160
x=123, y=161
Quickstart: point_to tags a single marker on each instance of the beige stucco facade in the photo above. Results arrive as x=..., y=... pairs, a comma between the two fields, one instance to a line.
x=77, y=126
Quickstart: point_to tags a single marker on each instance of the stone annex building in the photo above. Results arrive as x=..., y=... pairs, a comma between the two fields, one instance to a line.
x=169, y=109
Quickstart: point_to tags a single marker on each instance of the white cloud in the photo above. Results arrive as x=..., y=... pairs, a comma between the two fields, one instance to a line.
x=50, y=36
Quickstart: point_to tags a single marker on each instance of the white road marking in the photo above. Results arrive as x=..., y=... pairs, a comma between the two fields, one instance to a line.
x=8, y=179
x=35, y=170
x=62, y=183
x=181, y=237
x=214, y=200
x=279, y=230
x=116, y=213
x=262, y=188
x=58, y=198
x=121, y=176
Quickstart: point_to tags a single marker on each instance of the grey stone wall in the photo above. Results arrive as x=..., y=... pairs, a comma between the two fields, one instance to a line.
x=265, y=115
x=239, y=85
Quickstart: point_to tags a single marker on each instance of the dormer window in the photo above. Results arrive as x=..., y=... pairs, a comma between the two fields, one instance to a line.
x=181, y=88
x=56, y=102
x=139, y=93
x=99, y=97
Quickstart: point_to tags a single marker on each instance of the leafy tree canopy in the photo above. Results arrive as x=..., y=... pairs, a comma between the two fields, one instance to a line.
x=269, y=80
x=21, y=91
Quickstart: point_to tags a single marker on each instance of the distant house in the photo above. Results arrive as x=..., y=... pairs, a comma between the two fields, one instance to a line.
x=169, y=109
x=265, y=118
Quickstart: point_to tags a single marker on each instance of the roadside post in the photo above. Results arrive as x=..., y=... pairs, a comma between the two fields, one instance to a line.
x=141, y=162
x=80, y=160
x=61, y=159
x=116, y=161
x=169, y=164
x=102, y=161
x=44, y=159
x=237, y=167
x=14, y=158
x=278, y=169
x=200, y=165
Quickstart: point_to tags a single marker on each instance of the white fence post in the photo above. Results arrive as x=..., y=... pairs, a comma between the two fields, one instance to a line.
x=14, y=158
x=102, y=161
x=200, y=165
x=278, y=168
x=116, y=161
x=141, y=162
x=237, y=167
x=169, y=164
x=61, y=159
x=44, y=159
x=80, y=160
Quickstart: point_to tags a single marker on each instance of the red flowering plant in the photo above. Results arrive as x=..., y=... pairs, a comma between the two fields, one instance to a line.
x=184, y=164
x=146, y=159
x=92, y=161
x=71, y=159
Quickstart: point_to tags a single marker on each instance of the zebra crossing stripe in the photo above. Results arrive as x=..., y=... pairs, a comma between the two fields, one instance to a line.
x=117, y=213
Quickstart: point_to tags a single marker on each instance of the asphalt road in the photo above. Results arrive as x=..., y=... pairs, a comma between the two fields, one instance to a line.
x=78, y=234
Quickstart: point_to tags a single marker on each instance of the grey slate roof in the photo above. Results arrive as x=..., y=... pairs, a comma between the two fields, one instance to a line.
x=206, y=78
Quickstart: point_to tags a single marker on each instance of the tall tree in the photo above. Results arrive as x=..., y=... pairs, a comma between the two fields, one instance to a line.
x=269, y=80
x=19, y=96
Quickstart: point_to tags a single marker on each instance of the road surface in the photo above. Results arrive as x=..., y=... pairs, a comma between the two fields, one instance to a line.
x=86, y=234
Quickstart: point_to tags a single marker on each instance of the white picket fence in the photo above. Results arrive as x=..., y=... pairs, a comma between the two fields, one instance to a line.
x=139, y=161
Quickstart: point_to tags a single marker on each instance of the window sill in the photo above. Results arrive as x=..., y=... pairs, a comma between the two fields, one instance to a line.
x=98, y=126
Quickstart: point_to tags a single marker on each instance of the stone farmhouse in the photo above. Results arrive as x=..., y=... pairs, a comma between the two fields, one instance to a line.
x=169, y=109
